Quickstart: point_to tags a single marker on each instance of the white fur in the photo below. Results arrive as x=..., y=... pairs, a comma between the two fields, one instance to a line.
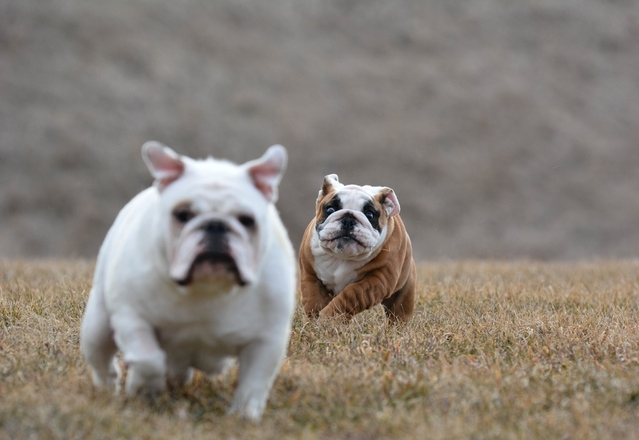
x=336, y=273
x=165, y=330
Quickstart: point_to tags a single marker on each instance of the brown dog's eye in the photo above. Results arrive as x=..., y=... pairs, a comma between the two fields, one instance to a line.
x=182, y=216
x=247, y=221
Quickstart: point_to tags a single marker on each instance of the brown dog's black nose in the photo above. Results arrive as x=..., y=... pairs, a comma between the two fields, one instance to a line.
x=348, y=223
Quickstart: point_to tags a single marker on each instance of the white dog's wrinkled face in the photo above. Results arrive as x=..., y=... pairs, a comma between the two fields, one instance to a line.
x=213, y=213
x=351, y=221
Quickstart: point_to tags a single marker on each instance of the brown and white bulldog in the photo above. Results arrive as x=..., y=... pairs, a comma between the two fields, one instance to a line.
x=356, y=254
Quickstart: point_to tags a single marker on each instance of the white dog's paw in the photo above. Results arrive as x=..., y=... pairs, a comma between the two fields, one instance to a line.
x=146, y=377
x=251, y=409
x=107, y=379
x=144, y=385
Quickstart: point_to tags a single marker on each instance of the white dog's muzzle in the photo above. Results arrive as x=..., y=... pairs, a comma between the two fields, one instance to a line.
x=212, y=248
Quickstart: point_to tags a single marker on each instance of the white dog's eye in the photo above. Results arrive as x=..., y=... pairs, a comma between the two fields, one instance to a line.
x=247, y=221
x=370, y=215
x=329, y=210
x=183, y=215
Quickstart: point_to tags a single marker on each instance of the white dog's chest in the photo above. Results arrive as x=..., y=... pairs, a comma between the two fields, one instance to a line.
x=228, y=317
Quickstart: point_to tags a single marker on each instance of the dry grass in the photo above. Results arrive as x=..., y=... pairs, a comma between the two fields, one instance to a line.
x=496, y=350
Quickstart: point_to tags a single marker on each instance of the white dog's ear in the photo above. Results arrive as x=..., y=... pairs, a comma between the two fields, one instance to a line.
x=267, y=171
x=330, y=181
x=165, y=165
x=388, y=199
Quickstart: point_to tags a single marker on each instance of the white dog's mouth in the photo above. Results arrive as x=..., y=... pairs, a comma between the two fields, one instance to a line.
x=211, y=266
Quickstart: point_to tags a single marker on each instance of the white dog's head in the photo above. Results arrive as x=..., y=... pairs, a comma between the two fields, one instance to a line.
x=214, y=213
x=351, y=221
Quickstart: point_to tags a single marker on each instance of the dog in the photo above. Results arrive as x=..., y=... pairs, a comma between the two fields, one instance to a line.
x=195, y=271
x=356, y=254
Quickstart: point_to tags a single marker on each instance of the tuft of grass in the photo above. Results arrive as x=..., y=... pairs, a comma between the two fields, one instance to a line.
x=495, y=350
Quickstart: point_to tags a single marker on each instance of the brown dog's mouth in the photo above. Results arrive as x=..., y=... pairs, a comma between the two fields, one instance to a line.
x=346, y=238
x=213, y=265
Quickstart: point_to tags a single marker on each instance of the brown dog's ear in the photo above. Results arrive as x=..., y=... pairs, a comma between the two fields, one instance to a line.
x=165, y=165
x=388, y=199
x=329, y=183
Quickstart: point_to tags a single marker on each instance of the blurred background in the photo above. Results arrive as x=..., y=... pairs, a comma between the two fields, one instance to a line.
x=508, y=129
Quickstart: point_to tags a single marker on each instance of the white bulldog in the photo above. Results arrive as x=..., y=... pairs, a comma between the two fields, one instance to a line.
x=195, y=270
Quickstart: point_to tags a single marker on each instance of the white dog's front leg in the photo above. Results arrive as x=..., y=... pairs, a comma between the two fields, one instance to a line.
x=145, y=360
x=259, y=364
x=96, y=342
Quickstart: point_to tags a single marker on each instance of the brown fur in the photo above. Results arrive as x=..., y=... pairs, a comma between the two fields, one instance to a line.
x=388, y=279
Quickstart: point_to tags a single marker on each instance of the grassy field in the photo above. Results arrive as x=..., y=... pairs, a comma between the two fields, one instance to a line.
x=495, y=350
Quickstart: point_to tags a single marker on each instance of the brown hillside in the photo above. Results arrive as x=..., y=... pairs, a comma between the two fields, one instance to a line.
x=507, y=129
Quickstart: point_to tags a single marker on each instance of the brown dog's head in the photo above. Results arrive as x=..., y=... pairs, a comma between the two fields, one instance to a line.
x=351, y=221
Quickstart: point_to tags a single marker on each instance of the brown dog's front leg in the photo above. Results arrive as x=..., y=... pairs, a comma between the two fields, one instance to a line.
x=315, y=297
x=399, y=307
x=357, y=297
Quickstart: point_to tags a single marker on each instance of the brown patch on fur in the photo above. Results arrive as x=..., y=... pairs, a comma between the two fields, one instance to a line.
x=327, y=194
x=383, y=194
x=327, y=187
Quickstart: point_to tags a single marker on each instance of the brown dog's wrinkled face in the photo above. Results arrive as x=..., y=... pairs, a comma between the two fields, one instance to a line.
x=351, y=220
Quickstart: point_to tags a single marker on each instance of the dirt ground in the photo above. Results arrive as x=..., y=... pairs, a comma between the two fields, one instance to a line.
x=508, y=129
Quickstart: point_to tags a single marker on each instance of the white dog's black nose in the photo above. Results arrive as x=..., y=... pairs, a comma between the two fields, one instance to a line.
x=215, y=228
